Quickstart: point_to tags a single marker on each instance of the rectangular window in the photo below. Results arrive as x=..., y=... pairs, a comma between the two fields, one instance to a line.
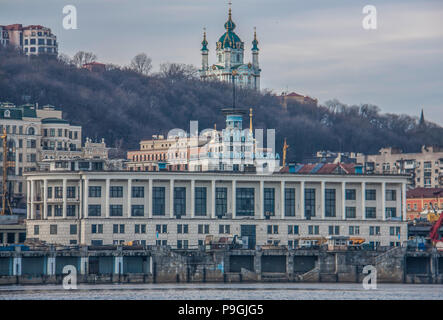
x=370, y=213
x=289, y=202
x=116, y=210
x=137, y=210
x=350, y=194
x=391, y=212
x=313, y=229
x=269, y=201
x=245, y=202
x=351, y=212
x=309, y=203
x=58, y=192
x=203, y=228
x=116, y=192
x=334, y=230
x=94, y=210
x=179, y=201
x=36, y=230
x=53, y=229
x=371, y=194
x=115, y=228
x=330, y=202
x=70, y=192
x=73, y=229
x=158, y=201
x=391, y=195
x=200, y=201
x=138, y=192
x=95, y=191
x=58, y=210
x=221, y=201
x=49, y=192
x=70, y=210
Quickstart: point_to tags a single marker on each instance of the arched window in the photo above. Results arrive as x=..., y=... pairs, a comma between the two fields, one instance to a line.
x=31, y=131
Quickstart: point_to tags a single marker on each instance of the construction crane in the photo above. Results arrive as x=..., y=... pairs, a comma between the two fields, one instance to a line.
x=434, y=234
x=4, y=137
x=285, y=149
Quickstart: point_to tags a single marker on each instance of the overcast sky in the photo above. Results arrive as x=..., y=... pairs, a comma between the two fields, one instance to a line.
x=313, y=47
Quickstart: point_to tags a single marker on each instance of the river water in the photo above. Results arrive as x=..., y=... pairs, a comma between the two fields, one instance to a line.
x=256, y=291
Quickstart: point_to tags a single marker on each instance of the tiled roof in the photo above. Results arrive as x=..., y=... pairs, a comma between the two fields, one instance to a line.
x=424, y=193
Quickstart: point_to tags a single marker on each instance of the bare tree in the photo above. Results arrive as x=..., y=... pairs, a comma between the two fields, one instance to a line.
x=82, y=57
x=141, y=63
x=64, y=58
x=178, y=71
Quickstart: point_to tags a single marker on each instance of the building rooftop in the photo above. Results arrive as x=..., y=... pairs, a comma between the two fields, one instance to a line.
x=424, y=193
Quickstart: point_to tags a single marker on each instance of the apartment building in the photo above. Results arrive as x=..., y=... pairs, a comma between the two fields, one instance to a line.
x=154, y=154
x=425, y=169
x=32, y=39
x=181, y=208
x=35, y=136
x=4, y=36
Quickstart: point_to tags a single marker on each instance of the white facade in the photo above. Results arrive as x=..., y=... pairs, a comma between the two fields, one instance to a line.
x=94, y=207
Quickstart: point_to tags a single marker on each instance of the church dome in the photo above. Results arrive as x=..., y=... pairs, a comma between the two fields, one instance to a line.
x=229, y=39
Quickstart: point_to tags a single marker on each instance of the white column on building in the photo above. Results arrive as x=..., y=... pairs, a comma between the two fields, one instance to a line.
x=171, y=198
x=302, y=200
x=282, y=199
x=107, y=187
x=192, y=198
x=343, y=199
x=129, y=197
x=33, y=215
x=403, y=201
x=45, y=198
x=234, y=193
x=79, y=197
x=28, y=199
x=86, y=198
x=213, y=199
x=64, y=197
x=322, y=199
x=262, y=199
x=383, y=200
x=149, y=197
x=363, y=200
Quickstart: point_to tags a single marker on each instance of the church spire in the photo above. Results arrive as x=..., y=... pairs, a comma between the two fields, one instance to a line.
x=421, y=122
x=255, y=41
x=229, y=25
x=204, y=42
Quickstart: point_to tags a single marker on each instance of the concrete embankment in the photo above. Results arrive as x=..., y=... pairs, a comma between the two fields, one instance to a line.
x=163, y=265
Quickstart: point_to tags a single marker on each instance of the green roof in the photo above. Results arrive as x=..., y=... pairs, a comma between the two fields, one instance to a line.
x=54, y=120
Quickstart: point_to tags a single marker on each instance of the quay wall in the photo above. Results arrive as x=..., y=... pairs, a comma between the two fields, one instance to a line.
x=164, y=265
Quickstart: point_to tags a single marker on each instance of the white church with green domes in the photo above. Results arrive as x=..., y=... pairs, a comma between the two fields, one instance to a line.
x=230, y=65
